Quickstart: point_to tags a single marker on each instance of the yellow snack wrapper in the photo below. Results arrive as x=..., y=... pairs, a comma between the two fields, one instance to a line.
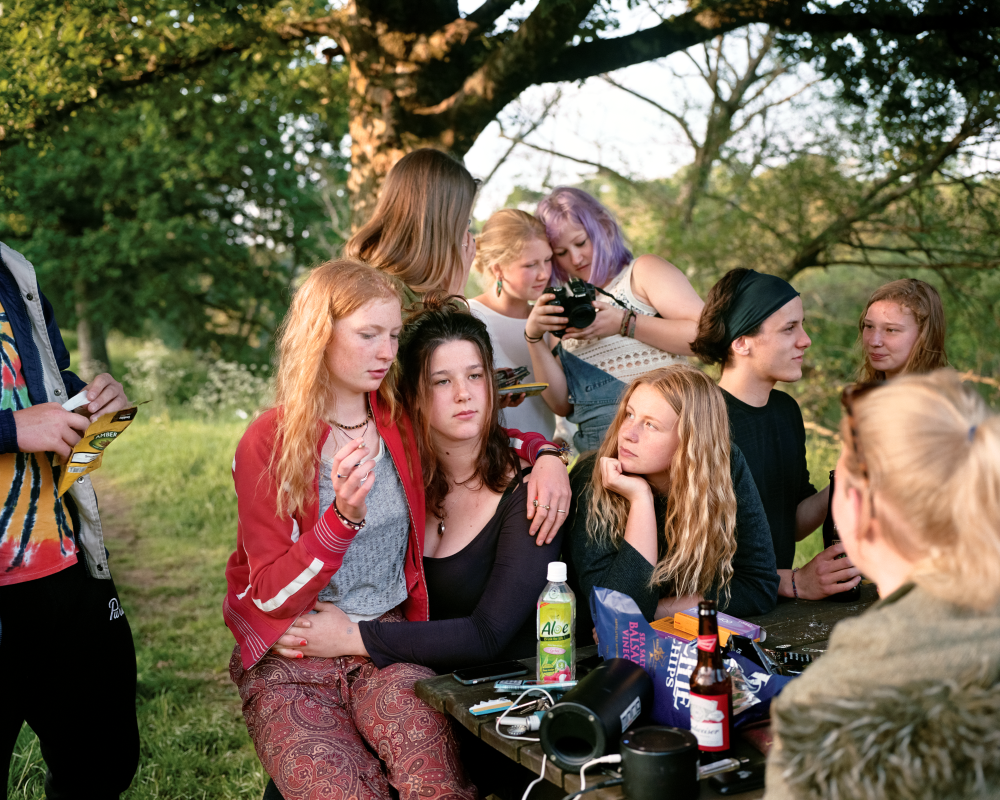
x=88, y=452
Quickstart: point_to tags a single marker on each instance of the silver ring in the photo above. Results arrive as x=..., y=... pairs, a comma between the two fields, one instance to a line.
x=364, y=478
x=546, y=507
x=560, y=511
x=339, y=475
x=535, y=502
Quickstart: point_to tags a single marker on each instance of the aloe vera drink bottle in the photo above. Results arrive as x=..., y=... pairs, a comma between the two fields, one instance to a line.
x=556, y=627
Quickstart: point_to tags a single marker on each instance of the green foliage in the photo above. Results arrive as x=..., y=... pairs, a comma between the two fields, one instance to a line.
x=918, y=85
x=184, y=208
x=167, y=494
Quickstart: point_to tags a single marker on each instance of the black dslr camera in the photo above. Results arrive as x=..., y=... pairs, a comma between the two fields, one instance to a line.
x=576, y=303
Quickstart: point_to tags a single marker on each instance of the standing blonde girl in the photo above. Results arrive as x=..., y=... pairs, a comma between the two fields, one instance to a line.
x=331, y=507
x=514, y=256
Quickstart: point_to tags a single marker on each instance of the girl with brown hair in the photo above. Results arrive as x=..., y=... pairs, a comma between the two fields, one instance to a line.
x=483, y=572
x=419, y=233
x=331, y=507
x=906, y=700
x=902, y=330
x=666, y=510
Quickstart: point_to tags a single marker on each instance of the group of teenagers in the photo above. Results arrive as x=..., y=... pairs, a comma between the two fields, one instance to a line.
x=396, y=516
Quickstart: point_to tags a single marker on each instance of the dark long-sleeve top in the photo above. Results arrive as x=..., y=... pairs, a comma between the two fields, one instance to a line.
x=482, y=598
x=753, y=588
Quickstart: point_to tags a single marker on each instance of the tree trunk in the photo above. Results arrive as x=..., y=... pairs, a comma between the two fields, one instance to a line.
x=92, y=344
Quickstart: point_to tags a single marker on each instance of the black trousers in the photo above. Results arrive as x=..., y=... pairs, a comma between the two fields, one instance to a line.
x=67, y=668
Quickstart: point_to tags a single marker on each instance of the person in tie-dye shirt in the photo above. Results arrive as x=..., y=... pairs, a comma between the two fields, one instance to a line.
x=77, y=690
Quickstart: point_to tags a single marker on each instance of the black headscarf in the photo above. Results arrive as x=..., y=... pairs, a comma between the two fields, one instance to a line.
x=757, y=297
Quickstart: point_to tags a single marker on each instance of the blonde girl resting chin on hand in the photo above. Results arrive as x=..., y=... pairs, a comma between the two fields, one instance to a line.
x=666, y=511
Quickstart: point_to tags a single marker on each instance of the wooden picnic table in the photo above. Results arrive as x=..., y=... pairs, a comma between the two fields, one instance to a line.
x=795, y=625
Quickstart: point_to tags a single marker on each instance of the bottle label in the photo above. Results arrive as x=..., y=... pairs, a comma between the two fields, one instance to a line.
x=707, y=643
x=555, y=641
x=709, y=721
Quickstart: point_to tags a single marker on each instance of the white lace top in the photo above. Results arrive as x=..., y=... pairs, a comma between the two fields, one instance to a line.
x=618, y=355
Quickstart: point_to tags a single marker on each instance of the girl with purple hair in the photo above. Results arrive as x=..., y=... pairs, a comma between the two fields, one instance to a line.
x=650, y=324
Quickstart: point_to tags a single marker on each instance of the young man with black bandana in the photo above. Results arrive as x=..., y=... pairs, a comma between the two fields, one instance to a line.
x=67, y=661
x=752, y=325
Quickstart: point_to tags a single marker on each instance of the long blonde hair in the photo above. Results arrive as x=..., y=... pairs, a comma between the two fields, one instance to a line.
x=504, y=236
x=416, y=230
x=924, y=303
x=932, y=453
x=700, y=526
x=304, y=383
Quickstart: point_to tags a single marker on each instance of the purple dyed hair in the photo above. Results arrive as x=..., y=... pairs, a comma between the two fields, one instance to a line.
x=566, y=204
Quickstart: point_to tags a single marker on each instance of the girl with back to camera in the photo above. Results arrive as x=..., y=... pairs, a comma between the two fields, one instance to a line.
x=513, y=253
x=651, y=325
x=419, y=232
x=902, y=330
x=331, y=506
x=666, y=511
x=906, y=700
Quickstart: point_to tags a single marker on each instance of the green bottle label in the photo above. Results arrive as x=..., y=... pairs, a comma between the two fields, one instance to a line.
x=555, y=641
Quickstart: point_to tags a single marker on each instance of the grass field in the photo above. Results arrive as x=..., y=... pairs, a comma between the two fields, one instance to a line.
x=169, y=508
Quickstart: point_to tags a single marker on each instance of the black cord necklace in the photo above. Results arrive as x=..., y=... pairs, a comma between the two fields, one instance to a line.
x=363, y=423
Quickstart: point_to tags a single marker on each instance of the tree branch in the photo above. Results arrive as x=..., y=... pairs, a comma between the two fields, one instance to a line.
x=519, y=138
x=489, y=12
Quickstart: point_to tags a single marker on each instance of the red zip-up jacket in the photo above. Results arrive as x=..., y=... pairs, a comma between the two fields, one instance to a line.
x=281, y=563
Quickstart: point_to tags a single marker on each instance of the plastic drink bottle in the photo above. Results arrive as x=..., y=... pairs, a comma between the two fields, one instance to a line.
x=556, y=627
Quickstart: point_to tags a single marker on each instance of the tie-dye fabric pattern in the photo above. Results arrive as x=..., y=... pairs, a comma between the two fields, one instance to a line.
x=36, y=538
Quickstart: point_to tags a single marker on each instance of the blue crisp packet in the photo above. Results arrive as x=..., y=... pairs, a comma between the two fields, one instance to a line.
x=622, y=632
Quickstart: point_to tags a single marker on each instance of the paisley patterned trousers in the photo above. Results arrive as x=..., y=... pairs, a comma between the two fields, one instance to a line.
x=324, y=728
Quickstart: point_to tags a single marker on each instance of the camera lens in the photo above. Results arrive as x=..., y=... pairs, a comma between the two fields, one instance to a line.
x=581, y=316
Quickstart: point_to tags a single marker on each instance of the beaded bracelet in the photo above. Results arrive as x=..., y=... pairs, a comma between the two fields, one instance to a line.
x=795, y=590
x=355, y=526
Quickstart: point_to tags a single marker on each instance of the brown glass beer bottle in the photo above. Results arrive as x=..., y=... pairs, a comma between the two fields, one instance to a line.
x=711, y=688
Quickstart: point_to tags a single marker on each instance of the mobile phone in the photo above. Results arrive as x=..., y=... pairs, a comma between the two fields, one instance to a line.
x=530, y=389
x=490, y=672
x=745, y=779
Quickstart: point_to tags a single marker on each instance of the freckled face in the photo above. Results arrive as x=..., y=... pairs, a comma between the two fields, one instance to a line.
x=572, y=251
x=648, y=438
x=459, y=394
x=363, y=346
x=889, y=333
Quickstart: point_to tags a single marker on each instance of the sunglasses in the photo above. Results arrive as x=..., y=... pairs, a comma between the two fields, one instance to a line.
x=849, y=396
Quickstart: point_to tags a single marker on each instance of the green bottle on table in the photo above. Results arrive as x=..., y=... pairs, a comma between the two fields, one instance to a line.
x=556, y=627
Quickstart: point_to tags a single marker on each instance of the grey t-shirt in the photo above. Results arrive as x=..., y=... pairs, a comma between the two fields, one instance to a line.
x=371, y=579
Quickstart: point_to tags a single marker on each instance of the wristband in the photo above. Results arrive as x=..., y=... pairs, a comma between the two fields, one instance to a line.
x=530, y=340
x=355, y=526
x=630, y=333
x=626, y=319
x=562, y=454
x=795, y=590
